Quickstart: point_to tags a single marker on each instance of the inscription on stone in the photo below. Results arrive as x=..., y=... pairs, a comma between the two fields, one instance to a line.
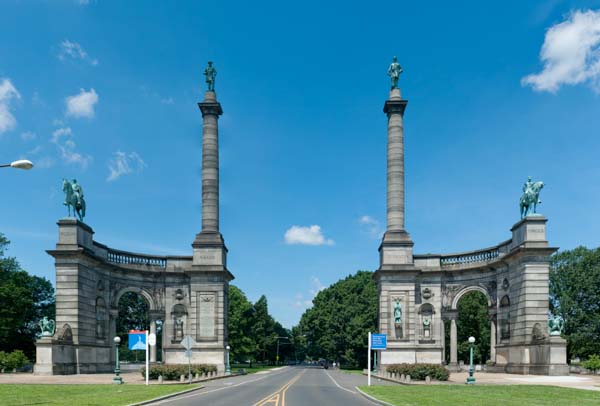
x=206, y=315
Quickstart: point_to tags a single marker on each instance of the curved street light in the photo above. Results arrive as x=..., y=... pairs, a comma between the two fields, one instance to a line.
x=117, y=379
x=19, y=164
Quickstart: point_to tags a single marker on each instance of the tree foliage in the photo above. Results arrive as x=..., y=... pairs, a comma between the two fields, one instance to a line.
x=24, y=300
x=473, y=320
x=575, y=295
x=337, y=325
x=253, y=332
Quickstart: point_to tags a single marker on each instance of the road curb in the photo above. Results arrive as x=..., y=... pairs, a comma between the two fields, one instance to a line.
x=170, y=395
x=372, y=399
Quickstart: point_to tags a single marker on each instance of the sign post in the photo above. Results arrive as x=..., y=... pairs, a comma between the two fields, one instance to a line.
x=369, y=361
x=376, y=342
x=188, y=342
x=138, y=340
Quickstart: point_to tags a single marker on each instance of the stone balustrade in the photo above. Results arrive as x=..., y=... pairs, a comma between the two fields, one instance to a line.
x=129, y=258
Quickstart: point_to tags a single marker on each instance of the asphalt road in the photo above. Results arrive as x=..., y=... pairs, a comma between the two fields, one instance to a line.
x=290, y=386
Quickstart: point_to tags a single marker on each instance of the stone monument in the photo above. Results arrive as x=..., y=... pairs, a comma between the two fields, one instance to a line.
x=512, y=275
x=189, y=294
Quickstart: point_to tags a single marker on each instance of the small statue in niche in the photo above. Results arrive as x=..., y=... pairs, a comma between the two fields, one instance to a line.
x=427, y=326
x=397, y=312
x=179, y=329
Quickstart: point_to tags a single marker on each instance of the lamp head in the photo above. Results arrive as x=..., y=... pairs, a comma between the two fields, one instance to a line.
x=117, y=339
x=21, y=164
x=228, y=348
x=471, y=339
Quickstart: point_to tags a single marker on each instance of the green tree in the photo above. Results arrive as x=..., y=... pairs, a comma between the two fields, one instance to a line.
x=473, y=320
x=337, y=325
x=575, y=295
x=133, y=315
x=240, y=322
x=24, y=300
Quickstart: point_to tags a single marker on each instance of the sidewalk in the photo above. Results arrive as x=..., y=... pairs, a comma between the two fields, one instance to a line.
x=29, y=378
x=589, y=382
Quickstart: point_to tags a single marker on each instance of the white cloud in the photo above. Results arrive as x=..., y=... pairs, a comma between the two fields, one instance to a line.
x=63, y=138
x=61, y=133
x=35, y=150
x=370, y=225
x=82, y=104
x=304, y=301
x=44, y=163
x=570, y=54
x=72, y=50
x=311, y=235
x=124, y=164
x=317, y=286
x=167, y=100
x=7, y=93
x=28, y=136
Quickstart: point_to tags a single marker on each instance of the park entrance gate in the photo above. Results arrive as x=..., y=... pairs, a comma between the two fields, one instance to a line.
x=189, y=294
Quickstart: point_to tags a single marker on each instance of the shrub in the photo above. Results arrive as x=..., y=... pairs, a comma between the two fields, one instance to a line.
x=13, y=360
x=592, y=363
x=172, y=372
x=420, y=371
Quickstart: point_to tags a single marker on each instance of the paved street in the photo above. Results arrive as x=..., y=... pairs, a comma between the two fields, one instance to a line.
x=291, y=386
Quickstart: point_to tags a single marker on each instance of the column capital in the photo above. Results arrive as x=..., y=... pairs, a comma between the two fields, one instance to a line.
x=394, y=106
x=210, y=108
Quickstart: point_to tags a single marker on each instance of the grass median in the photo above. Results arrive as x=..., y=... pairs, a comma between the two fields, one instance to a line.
x=477, y=395
x=83, y=395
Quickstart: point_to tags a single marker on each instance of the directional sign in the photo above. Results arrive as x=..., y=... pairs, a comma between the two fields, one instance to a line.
x=378, y=341
x=188, y=342
x=137, y=339
x=152, y=339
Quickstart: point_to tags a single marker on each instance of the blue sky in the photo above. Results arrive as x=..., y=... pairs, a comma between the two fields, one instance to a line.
x=106, y=92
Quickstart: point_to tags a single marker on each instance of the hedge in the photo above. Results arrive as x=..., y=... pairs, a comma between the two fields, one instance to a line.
x=172, y=372
x=13, y=360
x=592, y=363
x=420, y=371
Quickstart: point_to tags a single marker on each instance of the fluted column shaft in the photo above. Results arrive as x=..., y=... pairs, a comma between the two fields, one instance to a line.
x=453, y=343
x=211, y=110
x=394, y=108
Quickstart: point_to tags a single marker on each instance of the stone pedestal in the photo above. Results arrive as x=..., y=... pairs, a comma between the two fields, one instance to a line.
x=545, y=357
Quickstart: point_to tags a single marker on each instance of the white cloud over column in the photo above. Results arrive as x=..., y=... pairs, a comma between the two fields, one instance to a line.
x=124, y=164
x=82, y=104
x=8, y=92
x=570, y=54
x=311, y=235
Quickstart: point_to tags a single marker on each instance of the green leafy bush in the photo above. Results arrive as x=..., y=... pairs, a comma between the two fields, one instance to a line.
x=10, y=361
x=420, y=371
x=592, y=363
x=172, y=372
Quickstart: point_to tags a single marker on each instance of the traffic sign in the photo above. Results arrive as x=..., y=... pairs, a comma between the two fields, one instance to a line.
x=152, y=339
x=188, y=342
x=378, y=341
x=188, y=353
x=137, y=339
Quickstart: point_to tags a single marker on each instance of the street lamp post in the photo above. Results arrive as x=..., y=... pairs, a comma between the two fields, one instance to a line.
x=277, y=358
x=227, y=365
x=471, y=378
x=117, y=379
x=20, y=164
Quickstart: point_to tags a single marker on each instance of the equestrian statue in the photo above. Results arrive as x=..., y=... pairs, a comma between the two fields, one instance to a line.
x=74, y=198
x=531, y=197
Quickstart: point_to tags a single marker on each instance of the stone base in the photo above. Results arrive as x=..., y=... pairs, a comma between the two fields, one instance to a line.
x=59, y=358
x=396, y=249
x=410, y=355
x=199, y=356
x=548, y=357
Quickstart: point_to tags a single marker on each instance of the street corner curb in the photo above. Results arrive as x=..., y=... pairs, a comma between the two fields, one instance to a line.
x=170, y=395
x=372, y=399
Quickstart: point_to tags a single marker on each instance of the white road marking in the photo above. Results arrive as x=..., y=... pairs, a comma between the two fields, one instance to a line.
x=338, y=385
x=178, y=398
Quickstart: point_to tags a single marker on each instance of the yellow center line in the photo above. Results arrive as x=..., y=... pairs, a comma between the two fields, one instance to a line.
x=279, y=394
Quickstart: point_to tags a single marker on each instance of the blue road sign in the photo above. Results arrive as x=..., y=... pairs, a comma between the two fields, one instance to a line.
x=378, y=341
x=137, y=340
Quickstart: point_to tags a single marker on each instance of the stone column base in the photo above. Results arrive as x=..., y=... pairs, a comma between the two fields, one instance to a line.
x=546, y=357
x=54, y=357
